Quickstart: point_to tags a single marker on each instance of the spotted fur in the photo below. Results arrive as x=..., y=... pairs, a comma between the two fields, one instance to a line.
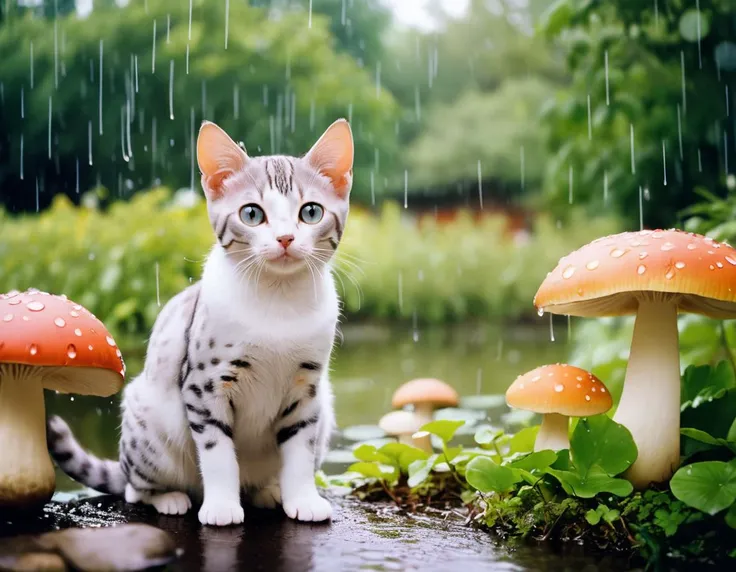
x=235, y=393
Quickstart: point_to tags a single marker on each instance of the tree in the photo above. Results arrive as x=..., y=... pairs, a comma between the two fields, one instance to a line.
x=275, y=86
x=657, y=126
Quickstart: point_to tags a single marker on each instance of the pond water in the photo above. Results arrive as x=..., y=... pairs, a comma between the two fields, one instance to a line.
x=367, y=367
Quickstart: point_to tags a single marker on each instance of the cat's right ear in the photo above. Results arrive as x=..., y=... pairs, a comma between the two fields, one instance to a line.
x=219, y=157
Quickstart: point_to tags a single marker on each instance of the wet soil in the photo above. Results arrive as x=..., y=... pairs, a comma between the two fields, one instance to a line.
x=360, y=537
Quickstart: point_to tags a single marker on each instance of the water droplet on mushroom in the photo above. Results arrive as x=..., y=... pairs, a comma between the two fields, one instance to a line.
x=536, y=378
x=7, y=317
x=74, y=314
x=711, y=267
x=110, y=341
x=540, y=312
x=579, y=378
x=592, y=388
x=667, y=246
x=617, y=253
x=26, y=319
x=559, y=388
x=731, y=261
x=641, y=269
x=679, y=265
x=719, y=264
x=592, y=265
x=90, y=347
x=78, y=332
x=521, y=386
x=71, y=351
x=16, y=301
x=117, y=352
x=568, y=272
x=35, y=306
x=12, y=294
x=656, y=235
x=587, y=398
x=670, y=274
x=603, y=389
x=76, y=307
x=643, y=254
x=578, y=386
x=691, y=246
x=33, y=350
x=59, y=322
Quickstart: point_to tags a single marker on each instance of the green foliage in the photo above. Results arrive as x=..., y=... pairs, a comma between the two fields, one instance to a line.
x=109, y=260
x=276, y=85
x=579, y=493
x=642, y=94
x=492, y=128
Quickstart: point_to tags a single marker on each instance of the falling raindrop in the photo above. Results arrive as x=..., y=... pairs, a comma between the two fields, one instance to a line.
x=569, y=328
x=415, y=329
x=406, y=189
x=608, y=99
x=310, y=15
x=656, y=13
x=417, y=103
x=227, y=21
x=590, y=124
x=22, y=104
x=76, y=172
x=171, y=89
x=153, y=52
x=728, y=106
x=56, y=54
x=700, y=163
x=684, y=96
x=664, y=163
x=100, y=83
x=89, y=142
x=236, y=101
x=725, y=150
x=641, y=209
x=189, y=33
x=373, y=188
x=700, y=52
x=605, y=187
x=21, y=156
x=480, y=186
x=633, y=161
x=192, y=150
x=135, y=71
x=551, y=329
x=38, y=206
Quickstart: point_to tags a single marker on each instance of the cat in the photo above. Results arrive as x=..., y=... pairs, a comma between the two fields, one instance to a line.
x=234, y=394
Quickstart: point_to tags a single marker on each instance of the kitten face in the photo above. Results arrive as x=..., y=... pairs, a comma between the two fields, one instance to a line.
x=278, y=215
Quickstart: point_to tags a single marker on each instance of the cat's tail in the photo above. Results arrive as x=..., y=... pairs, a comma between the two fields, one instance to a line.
x=99, y=474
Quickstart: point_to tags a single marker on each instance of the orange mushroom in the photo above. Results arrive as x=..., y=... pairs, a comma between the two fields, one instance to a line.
x=46, y=342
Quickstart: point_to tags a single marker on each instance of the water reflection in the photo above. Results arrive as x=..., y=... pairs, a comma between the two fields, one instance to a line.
x=367, y=368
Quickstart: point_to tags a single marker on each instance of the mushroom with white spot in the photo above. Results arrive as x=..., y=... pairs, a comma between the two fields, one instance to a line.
x=402, y=425
x=558, y=392
x=652, y=274
x=425, y=395
x=41, y=349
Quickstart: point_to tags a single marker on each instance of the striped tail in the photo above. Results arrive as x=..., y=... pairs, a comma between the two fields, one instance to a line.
x=102, y=475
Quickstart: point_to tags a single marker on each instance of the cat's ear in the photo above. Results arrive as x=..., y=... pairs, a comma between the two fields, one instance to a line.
x=332, y=155
x=218, y=157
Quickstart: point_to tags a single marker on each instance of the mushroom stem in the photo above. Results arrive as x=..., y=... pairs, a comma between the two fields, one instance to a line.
x=650, y=402
x=553, y=433
x=423, y=411
x=424, y=442
x=26, y=474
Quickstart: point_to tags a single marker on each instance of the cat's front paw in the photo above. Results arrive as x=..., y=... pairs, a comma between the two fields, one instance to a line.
x=308, y=507
x=221, y=512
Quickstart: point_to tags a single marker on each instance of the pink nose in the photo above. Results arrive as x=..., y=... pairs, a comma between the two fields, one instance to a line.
x=285, y=240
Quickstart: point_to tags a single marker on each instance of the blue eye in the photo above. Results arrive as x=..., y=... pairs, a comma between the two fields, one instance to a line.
x=252, y=215
x=311, y=213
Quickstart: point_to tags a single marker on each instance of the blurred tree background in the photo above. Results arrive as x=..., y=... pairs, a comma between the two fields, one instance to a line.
x=533, y=107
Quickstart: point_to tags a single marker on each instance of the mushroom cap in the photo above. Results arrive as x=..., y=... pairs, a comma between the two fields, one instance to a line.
x=608, y=276
x=44, y=330
x=559, y=388
x=425, y=390
x=399, y=423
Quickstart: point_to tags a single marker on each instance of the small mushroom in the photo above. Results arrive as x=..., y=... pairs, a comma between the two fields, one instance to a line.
x=425, y=395
x=46, y=342
x=402, y=425
x=653, y=274
x=558, y=392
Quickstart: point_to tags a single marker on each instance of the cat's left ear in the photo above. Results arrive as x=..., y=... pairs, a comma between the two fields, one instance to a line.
x=219, y=157
x=332, y=155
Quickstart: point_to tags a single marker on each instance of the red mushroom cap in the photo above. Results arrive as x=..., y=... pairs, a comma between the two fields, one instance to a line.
x=44, y=330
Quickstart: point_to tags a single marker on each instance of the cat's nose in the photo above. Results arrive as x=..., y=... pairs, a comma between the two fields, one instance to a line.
x=285, y=240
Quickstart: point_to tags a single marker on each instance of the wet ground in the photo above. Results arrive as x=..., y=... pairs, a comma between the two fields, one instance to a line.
x=359, y=538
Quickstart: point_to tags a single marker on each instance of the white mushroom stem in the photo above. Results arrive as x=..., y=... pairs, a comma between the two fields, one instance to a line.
x=553, y=433
x=26, y=473
x=422, y=441
x=650, y=402
x=423, y=411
